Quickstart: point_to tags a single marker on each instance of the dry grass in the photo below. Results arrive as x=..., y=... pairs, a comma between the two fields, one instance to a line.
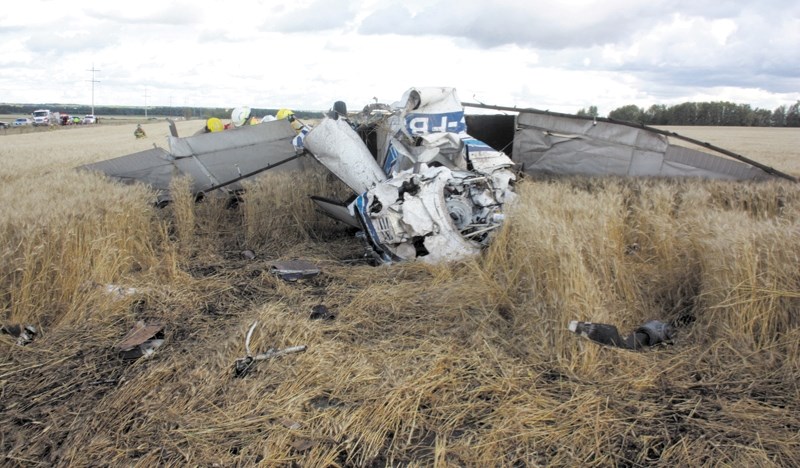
x=460, y=364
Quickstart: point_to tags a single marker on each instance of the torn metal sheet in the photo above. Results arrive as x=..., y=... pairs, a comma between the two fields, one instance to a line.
x=23, y=333
x=650, y=334
x=141, y=341
x=293, y=270
x=212, y=160
x=336, y=210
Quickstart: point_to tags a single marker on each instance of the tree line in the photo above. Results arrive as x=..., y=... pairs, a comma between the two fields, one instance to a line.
x=720, y=113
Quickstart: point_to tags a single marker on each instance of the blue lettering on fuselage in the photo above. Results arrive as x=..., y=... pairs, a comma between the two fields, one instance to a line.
x=421, y=124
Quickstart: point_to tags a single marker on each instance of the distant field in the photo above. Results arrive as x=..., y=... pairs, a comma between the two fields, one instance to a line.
x=777, y=147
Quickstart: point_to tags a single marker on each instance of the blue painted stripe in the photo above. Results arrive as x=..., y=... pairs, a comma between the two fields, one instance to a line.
x=391, y=159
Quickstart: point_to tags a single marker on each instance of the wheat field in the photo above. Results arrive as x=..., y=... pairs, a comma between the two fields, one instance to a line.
x=462, y=364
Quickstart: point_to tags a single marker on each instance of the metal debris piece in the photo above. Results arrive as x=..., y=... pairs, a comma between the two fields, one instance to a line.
x=320, y=312
x=650, y=334
x=293, y=270
x=141, y=341
x=23, y=334
x=301, y=445
x=289, y=424
x=242, y=366
x=119, y=292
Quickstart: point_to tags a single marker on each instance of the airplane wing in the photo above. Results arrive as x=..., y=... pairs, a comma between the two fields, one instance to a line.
x=212, y=160
x=562, y=145
x=552, y=143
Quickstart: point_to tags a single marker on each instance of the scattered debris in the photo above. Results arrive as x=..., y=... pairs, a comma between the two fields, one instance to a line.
x=289, y=424
x=320, y=312
x=632, y=249
x=301, y=445
x=242, y=366
x=293, y=270
x=23, y=334
x=119, y=292
x=141, y=341
x=650, y=334
x=248, y=254
x=323, y=402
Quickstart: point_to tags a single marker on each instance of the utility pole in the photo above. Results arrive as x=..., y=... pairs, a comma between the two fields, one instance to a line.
x=93, y=81
x=145, y=103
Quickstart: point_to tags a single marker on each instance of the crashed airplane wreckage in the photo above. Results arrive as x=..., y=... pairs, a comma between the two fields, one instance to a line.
x=423, y=186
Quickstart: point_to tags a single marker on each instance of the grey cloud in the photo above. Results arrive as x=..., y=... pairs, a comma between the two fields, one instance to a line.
x=321, y=15
x=760, y=53
x=509, y=23
x=555, y=26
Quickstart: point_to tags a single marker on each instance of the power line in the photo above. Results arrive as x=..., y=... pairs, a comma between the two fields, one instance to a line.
x=93, y=81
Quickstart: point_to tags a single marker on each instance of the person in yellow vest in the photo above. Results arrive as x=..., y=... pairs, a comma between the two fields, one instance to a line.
x=289, y=115
x=298, y=126
x=139, y=132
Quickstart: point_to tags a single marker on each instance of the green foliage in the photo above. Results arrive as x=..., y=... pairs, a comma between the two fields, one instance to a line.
x=720, y=113
x=629, y=113
x=591, y=112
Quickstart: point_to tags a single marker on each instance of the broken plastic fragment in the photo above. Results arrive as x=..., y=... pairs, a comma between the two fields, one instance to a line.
x=24, y=335
x=649, y=334
x=320, y=312
x=141, y=341
x=293, y=270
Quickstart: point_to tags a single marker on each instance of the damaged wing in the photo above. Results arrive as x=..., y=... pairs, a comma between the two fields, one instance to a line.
x=560, y=144
x=154, y=167
x=212, y=160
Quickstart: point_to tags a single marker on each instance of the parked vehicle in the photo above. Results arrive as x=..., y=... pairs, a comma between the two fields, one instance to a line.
x=4, y=124
x=89, y=119
x=45, y=117
x=21, y=122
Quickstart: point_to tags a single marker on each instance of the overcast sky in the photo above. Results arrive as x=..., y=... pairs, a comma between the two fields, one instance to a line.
x=556, y=55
